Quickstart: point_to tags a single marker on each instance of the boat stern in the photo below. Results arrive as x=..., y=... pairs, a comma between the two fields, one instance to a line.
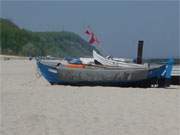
x=162, y=75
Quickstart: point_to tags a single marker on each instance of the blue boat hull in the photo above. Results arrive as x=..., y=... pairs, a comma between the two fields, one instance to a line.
x=159, y=76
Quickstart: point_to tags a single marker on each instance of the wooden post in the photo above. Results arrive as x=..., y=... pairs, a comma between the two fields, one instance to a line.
x=140, y=51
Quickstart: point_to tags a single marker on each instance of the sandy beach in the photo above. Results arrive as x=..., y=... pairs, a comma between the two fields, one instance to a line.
x=31, y=106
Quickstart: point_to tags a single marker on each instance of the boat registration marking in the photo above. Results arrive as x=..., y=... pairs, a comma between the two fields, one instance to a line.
x=52, y=70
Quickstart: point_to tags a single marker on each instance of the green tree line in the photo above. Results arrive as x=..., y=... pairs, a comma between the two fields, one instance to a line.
x=22, y=42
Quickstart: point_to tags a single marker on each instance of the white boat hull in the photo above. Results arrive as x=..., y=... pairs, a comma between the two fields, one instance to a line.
x=111, y=62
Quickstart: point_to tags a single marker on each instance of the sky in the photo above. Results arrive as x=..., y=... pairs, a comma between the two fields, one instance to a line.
x=118, y=24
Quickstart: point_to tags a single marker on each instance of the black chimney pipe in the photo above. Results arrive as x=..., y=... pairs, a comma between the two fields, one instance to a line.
x=140, y=51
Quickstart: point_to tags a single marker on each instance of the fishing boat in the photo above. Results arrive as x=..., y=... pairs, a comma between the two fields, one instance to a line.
x=80, y=74
x=121, y=62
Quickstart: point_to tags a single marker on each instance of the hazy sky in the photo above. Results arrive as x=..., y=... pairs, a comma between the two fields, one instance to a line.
x=118, y=24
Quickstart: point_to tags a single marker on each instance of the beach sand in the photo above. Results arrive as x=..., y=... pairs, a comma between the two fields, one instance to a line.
x=31, y=106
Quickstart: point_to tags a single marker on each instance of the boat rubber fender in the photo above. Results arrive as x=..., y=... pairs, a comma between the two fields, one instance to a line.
x=75, y=66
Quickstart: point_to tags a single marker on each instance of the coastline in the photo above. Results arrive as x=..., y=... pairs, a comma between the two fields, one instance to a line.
x=14, y=57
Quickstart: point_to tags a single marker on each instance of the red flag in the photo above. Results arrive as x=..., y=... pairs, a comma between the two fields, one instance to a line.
x=93, y=39
x=88, y=32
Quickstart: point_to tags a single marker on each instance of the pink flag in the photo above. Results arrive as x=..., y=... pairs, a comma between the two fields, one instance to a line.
x=93, y=39
x=88, y=32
